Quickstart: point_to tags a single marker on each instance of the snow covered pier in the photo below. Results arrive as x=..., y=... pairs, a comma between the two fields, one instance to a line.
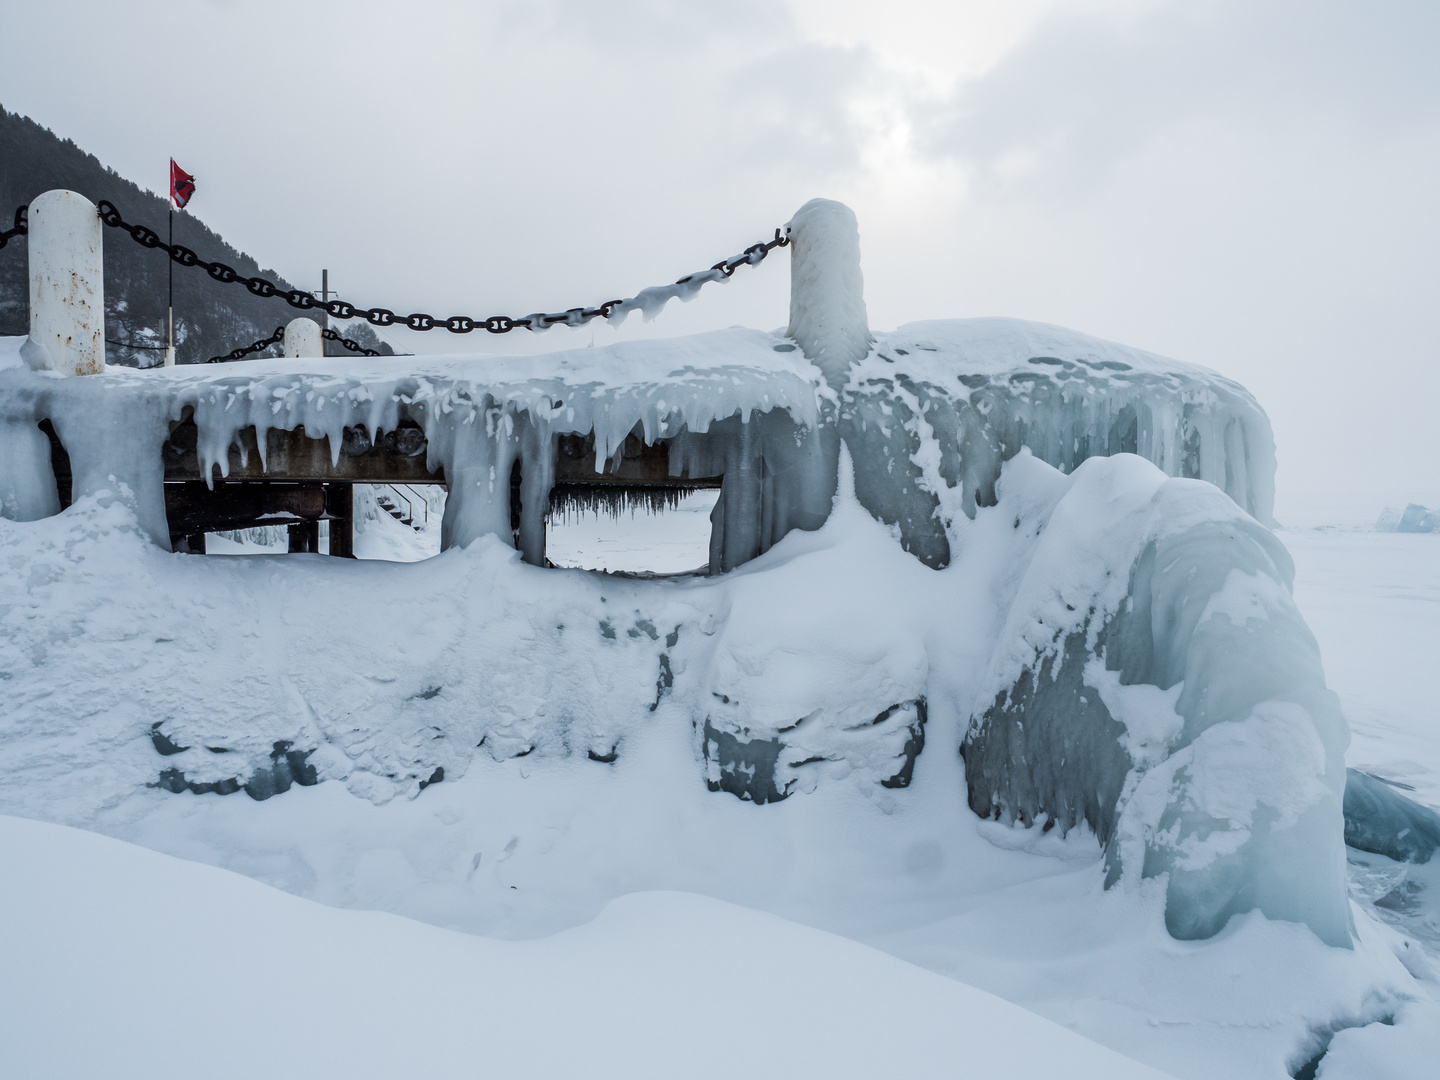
x=1111, y=644
x=929, y=413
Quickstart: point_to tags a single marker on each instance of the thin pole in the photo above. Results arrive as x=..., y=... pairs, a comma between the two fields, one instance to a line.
x=170, y=306
x=325, y=296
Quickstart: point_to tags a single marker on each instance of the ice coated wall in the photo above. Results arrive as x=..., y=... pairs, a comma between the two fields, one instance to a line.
x=1154, y=679
x=931, y=411
x=936, y=408
x=479, y=415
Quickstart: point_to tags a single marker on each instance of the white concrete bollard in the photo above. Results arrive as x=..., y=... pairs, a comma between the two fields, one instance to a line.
x=67, y=284
x=302, y=338
x=827, y=292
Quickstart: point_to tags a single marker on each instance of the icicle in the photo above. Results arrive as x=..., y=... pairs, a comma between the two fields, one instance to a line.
x=574, y=500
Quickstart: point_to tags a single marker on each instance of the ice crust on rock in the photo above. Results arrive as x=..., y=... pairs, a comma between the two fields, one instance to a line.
x=1380, y=819
x=468, y=655
x=1413, y=519
x=588, y=696
x=1154, y=680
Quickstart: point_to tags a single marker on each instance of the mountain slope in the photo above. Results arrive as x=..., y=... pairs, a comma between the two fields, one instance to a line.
x=210, y=318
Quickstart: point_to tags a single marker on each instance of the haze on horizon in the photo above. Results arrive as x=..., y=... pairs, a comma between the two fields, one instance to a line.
x=1245, y=185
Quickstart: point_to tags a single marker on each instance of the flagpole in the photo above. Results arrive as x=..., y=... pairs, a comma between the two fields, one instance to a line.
x=170, y=299
x=170, y=305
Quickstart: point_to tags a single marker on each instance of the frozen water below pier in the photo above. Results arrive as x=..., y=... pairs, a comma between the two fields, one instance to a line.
x=1373, y=601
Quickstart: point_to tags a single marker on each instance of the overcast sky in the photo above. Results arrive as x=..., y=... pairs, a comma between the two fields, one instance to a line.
x=1253, y=185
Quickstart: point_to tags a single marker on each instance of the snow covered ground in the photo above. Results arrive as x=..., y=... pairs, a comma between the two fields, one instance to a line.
x=544, y=758
x=1373, y=601
x=553, y=853
x=117, y=958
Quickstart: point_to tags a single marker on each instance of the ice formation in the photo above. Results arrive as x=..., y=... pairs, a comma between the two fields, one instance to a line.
x=1413, y=519
x=1380, y=819
x=1152, y=677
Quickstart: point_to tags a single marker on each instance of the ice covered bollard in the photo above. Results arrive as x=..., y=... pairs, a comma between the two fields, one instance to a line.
x=67, y=292
x=1155, y=680
x=827, y=291
x=302, y=338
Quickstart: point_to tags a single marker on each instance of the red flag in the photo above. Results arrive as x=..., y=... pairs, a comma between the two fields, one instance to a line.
x=182, y=185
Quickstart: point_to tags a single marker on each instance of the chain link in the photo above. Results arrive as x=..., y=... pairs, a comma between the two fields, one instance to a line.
x=378, y=316
x=278, y=338
x=22, y=226
x=351, y=346
x=239, y=354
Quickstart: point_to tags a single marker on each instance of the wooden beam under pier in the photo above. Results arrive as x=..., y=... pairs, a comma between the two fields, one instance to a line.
x=302, y=485
x=399, y=458
x=191, y=507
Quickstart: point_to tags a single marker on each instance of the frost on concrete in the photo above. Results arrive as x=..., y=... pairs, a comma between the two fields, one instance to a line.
x=1154, y=680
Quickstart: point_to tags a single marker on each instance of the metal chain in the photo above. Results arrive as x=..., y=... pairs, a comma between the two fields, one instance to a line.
x=377, y=316
x=351, y=346
x=148, y=238
x=22, y=226
x=279, y=336
x=239, y=354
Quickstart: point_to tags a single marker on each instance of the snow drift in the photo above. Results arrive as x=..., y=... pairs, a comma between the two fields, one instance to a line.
x=628, y=995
